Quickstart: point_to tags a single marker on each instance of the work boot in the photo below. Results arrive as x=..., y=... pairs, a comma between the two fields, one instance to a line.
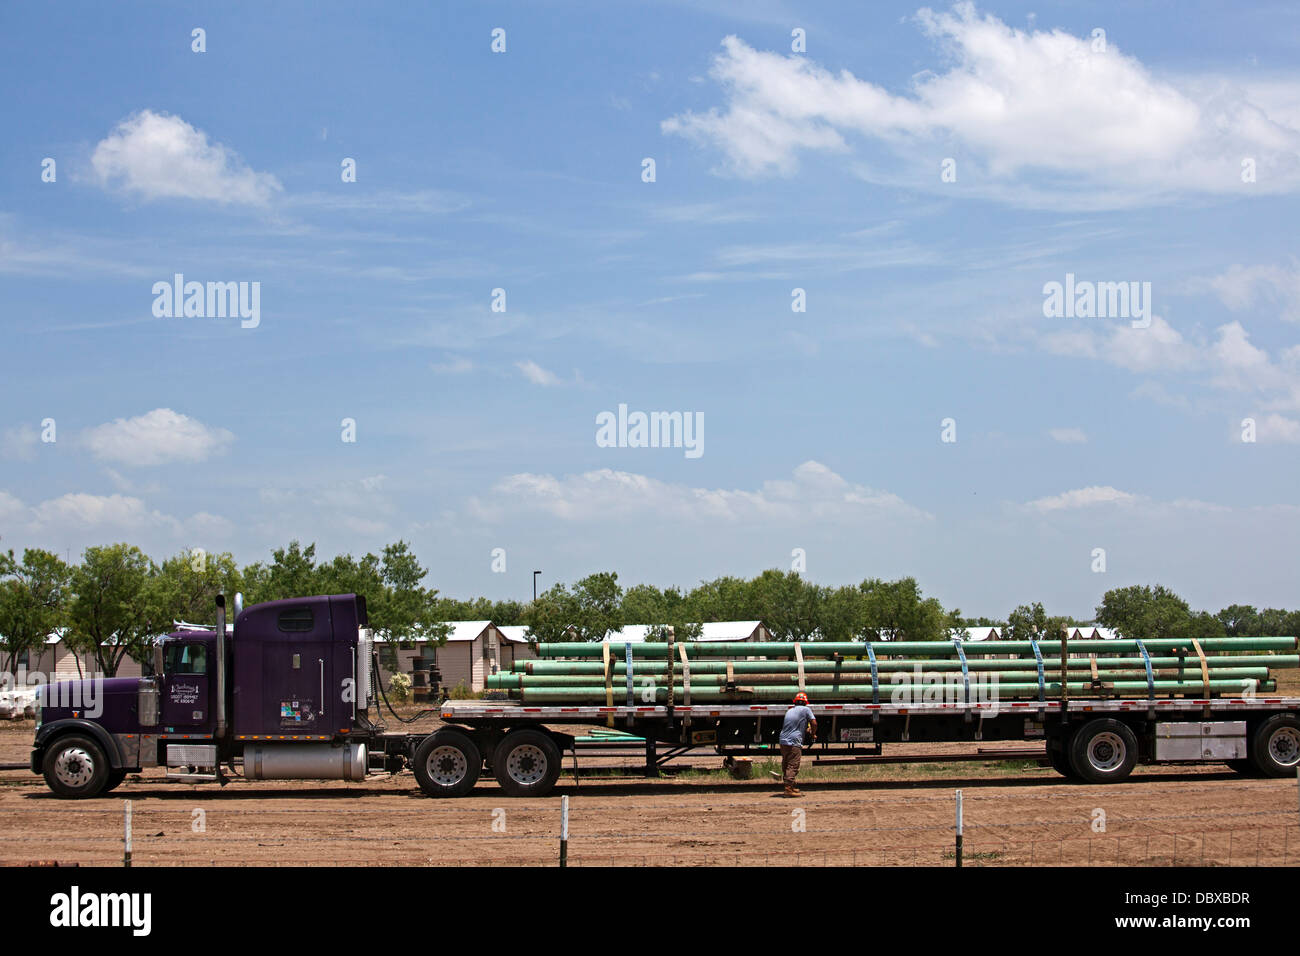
x=792, y=792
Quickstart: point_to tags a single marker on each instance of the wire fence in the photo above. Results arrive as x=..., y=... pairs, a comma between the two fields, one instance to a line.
x=609, y=833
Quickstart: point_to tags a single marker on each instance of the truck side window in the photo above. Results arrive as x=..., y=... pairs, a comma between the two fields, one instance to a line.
x=295, y=619
x=186, y=659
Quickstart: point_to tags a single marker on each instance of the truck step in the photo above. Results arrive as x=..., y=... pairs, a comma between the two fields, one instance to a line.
x=193, y=777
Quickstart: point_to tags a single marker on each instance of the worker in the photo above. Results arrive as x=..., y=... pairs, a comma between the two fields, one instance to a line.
x=797, y=719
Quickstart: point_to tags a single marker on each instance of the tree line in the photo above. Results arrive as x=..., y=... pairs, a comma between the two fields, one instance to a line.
x=114, y=602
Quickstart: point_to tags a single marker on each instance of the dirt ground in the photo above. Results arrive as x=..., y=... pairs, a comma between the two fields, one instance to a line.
x=1016, y=813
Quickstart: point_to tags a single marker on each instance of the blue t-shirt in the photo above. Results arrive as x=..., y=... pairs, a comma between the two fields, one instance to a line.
x=796, y=719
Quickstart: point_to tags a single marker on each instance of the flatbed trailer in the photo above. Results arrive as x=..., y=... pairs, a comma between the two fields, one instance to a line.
x=286, y=694
x=1090, y=739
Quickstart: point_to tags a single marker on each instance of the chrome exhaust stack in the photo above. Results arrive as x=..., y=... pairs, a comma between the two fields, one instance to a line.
x=221, y=667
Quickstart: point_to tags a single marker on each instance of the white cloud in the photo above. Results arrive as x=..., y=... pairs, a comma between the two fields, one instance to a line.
x=156, y=438
x=1068, y=436
x=80, y=519
x=1081, y=498
x=1240, y=287
x=160, y=156
x=20, y=443
x=1014, y=102
x=456, y=366
x=536, y=374
x=1277, y=428
x=814, y=492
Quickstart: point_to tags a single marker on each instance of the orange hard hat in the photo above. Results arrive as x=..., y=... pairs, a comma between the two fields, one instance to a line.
x=801, y=698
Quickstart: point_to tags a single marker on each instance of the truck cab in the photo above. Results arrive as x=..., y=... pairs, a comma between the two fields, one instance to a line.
x=285, y=692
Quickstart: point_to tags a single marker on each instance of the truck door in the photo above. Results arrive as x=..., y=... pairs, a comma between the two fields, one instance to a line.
x=186, y=690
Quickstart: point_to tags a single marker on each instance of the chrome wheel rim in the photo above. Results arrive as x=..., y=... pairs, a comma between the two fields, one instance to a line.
x=1284, y=746
x=526, y=764
x=447, y=765
x=1106, y=752
x=74, y=767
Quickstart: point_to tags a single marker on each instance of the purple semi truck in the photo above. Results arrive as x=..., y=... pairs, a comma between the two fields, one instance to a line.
x=288, y=697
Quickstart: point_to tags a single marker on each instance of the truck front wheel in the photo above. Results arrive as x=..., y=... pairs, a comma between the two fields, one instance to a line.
x=76, y=767
x=1275, y=746
x=1103, y=751
x=527, y=763
x=447, y=764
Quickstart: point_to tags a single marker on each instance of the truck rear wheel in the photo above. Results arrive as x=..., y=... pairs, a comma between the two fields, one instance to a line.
x=76, y=767
x=527, y=763
x=1103, y=751
x=1060, y=760
x=1275, y=746
x=447, y=764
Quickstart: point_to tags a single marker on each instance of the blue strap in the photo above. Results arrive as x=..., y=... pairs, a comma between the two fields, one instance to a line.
x=875, y=677
x=1151, y=681
x=965, y=670
x=627, y=657
x=1038, y=656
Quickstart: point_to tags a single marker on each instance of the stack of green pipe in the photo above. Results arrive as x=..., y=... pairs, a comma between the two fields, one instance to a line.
x=572, y=673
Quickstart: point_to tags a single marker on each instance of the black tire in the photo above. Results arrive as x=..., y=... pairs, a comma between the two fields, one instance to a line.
x=1060, y=760
x=527, y=763
x=447, y=764
x=1275, y=746
x=1103, y=751
x=1244, y=767
x=115, y=779
x=76, y=767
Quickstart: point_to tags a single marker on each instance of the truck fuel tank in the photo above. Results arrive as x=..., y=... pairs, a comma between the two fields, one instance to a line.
x=305, y=761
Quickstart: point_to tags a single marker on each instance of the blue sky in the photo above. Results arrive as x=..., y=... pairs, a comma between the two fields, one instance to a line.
x=1114, y=157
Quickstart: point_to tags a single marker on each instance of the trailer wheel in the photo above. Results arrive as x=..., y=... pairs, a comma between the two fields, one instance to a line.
x=1060, y=761
x=447, y=764
x=527, y=763
x=76, y=767
x=1103, y=751
x=1275, y=748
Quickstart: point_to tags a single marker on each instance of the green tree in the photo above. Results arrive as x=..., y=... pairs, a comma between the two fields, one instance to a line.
x=1240, y=620
x=1141, y=612
x=551, y=615
x=114, y=612
x=1030, y=621
x=187, y=583
x=895, y=611
x=34, y=599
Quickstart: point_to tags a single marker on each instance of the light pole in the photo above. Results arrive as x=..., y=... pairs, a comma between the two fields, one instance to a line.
x=535, y=573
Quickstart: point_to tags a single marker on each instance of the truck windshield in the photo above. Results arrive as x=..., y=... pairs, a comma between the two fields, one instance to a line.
x=186, y=659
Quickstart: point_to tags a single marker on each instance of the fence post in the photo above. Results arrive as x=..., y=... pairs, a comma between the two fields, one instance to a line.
x=959, y=830
x=126, y=834
x=564, y=830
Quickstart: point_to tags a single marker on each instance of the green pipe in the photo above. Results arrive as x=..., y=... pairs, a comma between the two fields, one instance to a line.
x=660, y=667
x=862, y=692
x=510, y=681
x=656, y=649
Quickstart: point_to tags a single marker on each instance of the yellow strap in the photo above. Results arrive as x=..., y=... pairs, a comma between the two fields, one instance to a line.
x=1092, y=658
x=798, y=656
x=731, y=675
x=1205, y=668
